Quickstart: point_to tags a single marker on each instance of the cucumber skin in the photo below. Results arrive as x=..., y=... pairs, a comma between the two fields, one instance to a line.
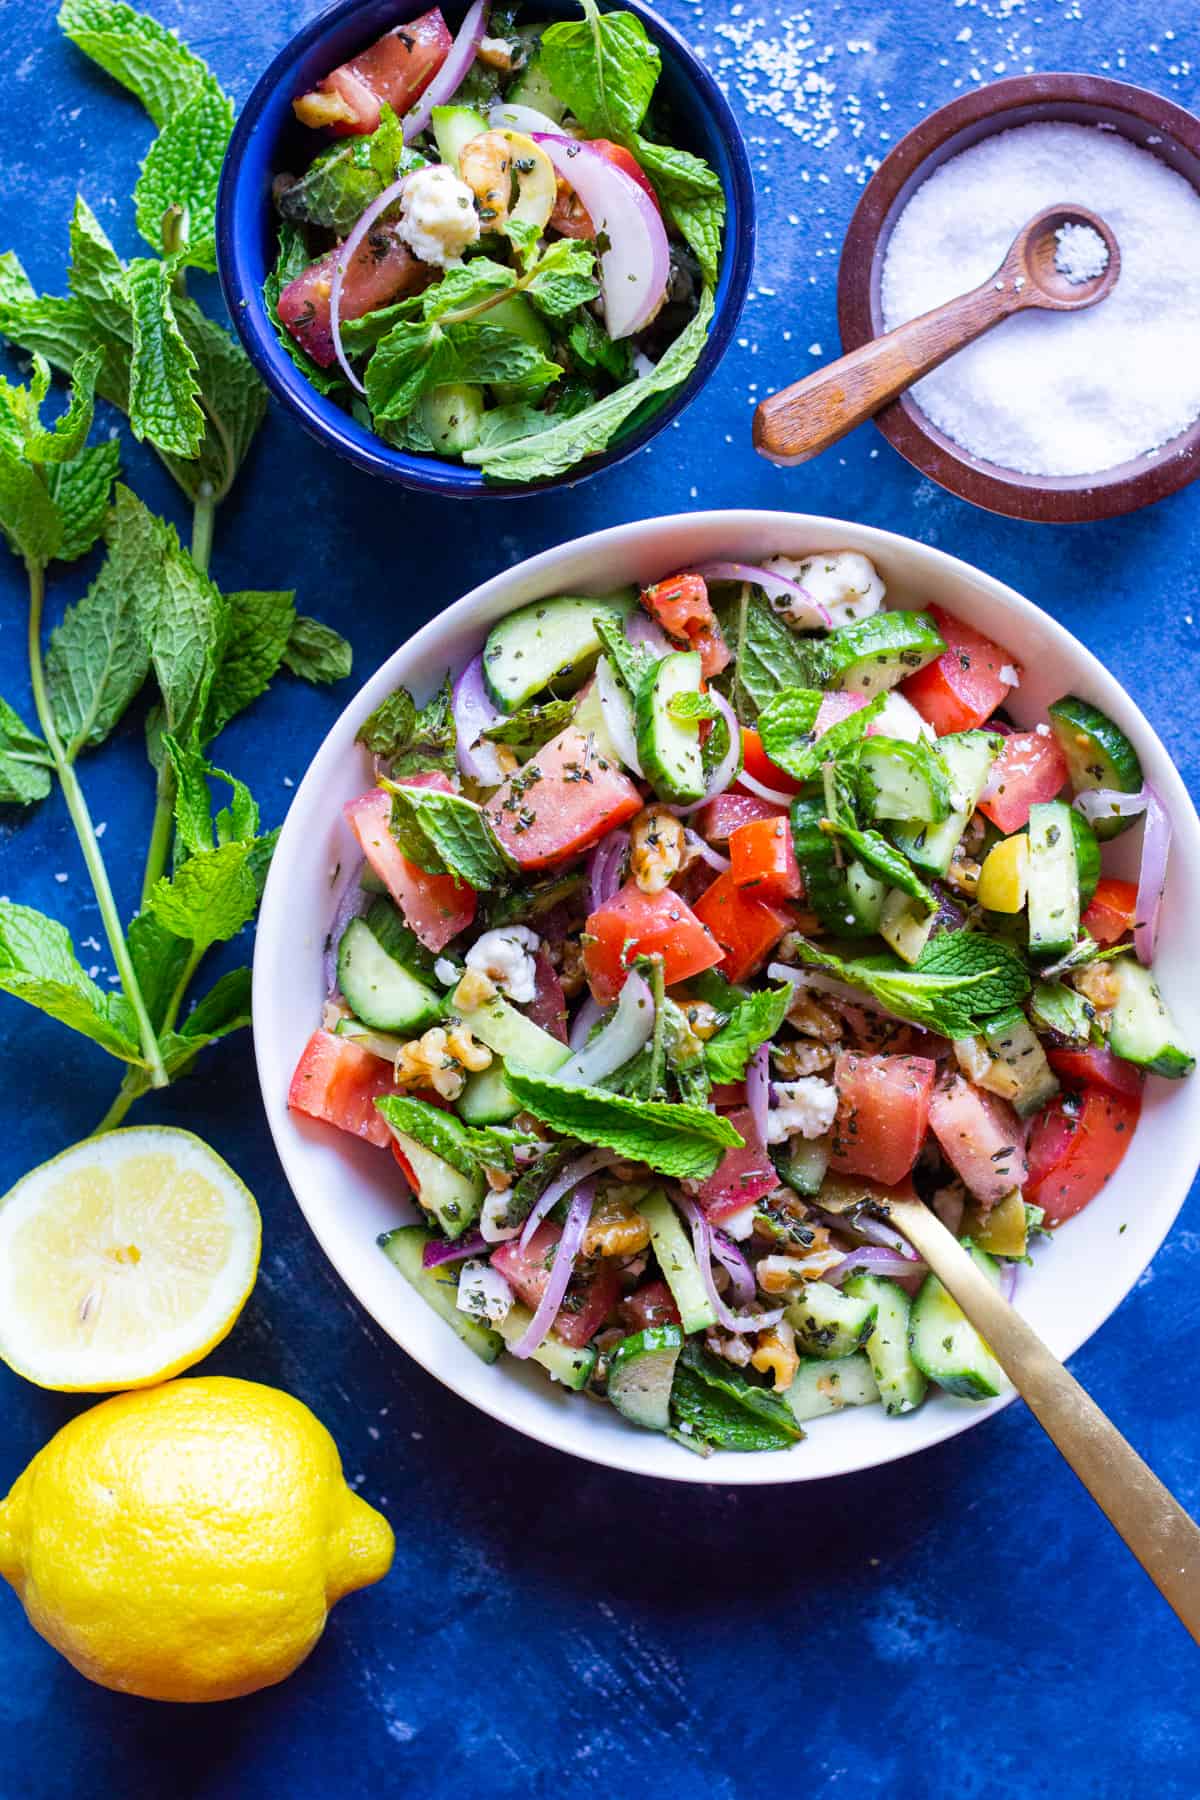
x=546, y=668
x=920, y=762
x=901, y=1384
x=809, y=1395
x=877, y=653
x=1050, y=933
x=1110, y=761
x=965, y=1383
x=1139, y=990
x=403, y=1248
x=828, y=1323
x=652, y=724
x=655, y=1341
x=422, y=1008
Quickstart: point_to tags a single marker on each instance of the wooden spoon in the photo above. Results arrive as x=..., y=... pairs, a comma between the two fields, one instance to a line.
x=1155, y=1527
x=802, y=420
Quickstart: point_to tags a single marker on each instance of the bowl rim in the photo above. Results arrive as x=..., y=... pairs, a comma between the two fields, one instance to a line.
x=237, y=214
x=1042, y=499
x=431, y=646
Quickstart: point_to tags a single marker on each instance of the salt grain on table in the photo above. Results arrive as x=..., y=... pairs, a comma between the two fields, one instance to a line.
x=1057, y=393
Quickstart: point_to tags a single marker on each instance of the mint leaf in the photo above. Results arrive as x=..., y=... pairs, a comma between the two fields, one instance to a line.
x=564, y=277
x=961, y=979
x=25, y=761
x=80, y=490
x=531, y=727
x=442, y=832
x=160, y=962
x=722, y=1409
x=343, y=180
x=603, y=67
x=292, y=260
x=38, y=965
x=632, y=662
x=591, y=345
x=413, y=740
x=29, y=518
x=768, y=657
x=998, y=972
x=872, y=848
x=260, y=626
x=678, y=1140
x=785, y=727
x=66, y=438
x=96, y=277
x=235, y=403
x=691, y=195
x=225, y=1008
x=138, y=52
x=316, y=652
x=588, y=432
x=60, y=330
x=415, y=357
x=163, y=388
x=754, y=1021
x=210, y=898
x=182, y=168
x=439, y=1131
x=1056, y=1007
x=685, y=707
x=97, y=658
x=187, y=621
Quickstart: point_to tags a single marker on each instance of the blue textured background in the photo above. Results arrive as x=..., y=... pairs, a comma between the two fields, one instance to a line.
x=963, y=1624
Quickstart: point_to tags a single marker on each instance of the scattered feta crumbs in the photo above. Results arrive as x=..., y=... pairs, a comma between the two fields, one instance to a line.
x=506, y=956
x=807, y=1106
x=483, y=1292
x=1010, y=675
x=446, y=971
x=1082, y=253
x=437, y=215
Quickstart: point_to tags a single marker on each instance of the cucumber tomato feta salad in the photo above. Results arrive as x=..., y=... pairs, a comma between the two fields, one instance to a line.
x=684, y=925
x=499, y=251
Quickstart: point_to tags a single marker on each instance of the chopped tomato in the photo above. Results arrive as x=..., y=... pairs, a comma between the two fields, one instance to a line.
x=683, y=609
x=722, y=816
x=742, y=1176
x=757, y=763
x=437, y=907
x=396, y=68
x=634, y=924
x=1076, y=1144
x=725, y=1095
x=746, y=928
x=882, y=1115
x=762, y=861
x=1112, y=910
x=337, y=1081
x=382, y=269
x=560, y=803
x=1094, y=1065
x=591, y=1293
x=548, y=1008
x=1028, y=770
x=653, y=1304
x=570, y=215
x=981, y=1138
x=962, y=688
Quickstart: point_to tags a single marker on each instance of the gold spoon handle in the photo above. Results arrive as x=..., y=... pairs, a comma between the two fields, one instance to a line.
x=1153, y=1524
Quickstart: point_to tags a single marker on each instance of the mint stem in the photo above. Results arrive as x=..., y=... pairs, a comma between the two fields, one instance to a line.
x=85, y=831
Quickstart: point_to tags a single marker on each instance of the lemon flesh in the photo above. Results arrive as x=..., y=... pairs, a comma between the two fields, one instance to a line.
x=124, y=1260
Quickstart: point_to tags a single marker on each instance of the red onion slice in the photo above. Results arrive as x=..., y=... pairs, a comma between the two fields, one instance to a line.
x=618, y=714
x=874, y=1260
x=705, y=852
x=635, y=266
x=345, y=257
x=621, y=1039
x=352, y=899
x=703, y=1246
x=640, y=628
x=589, y=1164
x=566, y=1250
x=1152, y=876
x=1109, y=803
x=803, y=611
x=589, y=1014
x=434, y=1254
x=758, y=1089
x=474, y=714
x=776, y=796
x=1008, y=1280
x=604, y=868
x=452, y=73
x=729, y=764
x=741, y=1275
x=507, y=116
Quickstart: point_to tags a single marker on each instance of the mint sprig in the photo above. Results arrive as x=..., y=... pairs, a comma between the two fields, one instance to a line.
x=679, y=1140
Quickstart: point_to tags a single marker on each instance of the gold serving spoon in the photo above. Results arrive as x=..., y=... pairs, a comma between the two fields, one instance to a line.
x=1165, y=1540
x=802, y=420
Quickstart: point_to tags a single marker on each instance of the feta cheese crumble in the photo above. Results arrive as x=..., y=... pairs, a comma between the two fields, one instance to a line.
x=506, y=956
x=437, y=215
x=806, y=1107
x=844, y=582
x=483, y=1292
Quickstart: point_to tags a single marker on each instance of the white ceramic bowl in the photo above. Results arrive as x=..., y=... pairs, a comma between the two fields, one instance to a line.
x=348, y=1190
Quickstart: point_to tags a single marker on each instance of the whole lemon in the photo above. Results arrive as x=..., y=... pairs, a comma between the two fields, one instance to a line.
x=186, y=1542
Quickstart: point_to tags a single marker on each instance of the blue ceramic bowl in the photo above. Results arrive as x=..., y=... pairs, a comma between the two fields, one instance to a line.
x=267, y=139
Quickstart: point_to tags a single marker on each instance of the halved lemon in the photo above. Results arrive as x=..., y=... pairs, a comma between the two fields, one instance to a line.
x=124, y=1260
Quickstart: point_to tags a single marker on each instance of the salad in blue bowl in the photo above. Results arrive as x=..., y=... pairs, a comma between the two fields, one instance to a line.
x=492, y=256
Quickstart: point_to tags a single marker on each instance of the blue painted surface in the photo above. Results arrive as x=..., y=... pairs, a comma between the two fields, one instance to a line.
x=960, y=1625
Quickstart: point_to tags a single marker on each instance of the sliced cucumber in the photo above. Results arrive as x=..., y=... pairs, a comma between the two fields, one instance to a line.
x=532, y=88
x=968, y=757
x=668, y=748
x=377, y=1042
x=829, y=1323
x=565, y=1363
x=848, y=911
x=1053, y=898
x=454, y=1199
x=802, y=1163
x=381, y=992
x=902, y=780
x=946, y=1347
x=487, y=1098
x=590, y=718
x=901, y=1384
x=866, y=894
x=515, y=314
x=1098, y=755
x=454, y=126
x=640, y=1374
x=453, y=416
x=551, y=643
x=904, y=925
x=820, y=1387
x=877, y=653
x=1014, y=1044
x=404, y=1248
x=1087, y=857
x=677, y=1260
x=1142, y=1029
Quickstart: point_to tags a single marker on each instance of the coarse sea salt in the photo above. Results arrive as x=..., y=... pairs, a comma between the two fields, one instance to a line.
x=1081, y=253
x=1057, y=393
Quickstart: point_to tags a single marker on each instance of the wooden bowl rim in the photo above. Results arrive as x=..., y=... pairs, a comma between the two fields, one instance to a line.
x=1045, y=499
